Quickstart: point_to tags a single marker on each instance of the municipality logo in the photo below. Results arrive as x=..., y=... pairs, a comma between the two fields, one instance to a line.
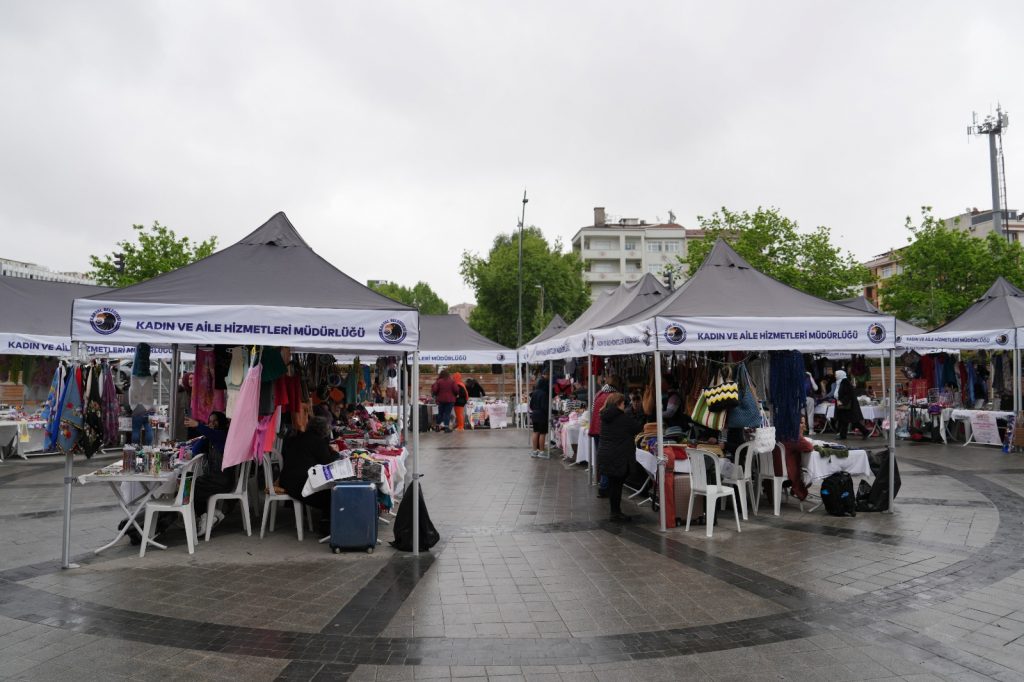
x=1002, y=339
x=501, y=357
x=675, y=334
x=105, y=321
x=876, y=333
x=392, y=331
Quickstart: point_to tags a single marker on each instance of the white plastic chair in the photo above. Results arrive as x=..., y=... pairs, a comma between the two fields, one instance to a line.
x=240, y=493
x=699, y=486
x=271, y=500
x=182, y=503
x=766, y=472
x=744, y=482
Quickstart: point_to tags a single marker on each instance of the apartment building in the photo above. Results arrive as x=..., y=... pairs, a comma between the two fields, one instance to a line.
x=619, y=251
x=15, y=268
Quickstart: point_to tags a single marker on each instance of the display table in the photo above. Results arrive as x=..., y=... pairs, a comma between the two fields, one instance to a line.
x=982, y=421
x=819, y=468
x=497, y=414
x=21, y=437
x=132, y=498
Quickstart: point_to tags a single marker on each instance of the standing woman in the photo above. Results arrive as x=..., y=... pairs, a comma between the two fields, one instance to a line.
x=461, y=398
x=443, y=391
x=847, y=406
x=617, y=447
x=539, y=418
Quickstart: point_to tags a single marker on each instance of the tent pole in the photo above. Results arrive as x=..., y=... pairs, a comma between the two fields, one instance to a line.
x=516, y=393
x=415, y=453
x=590, y=406
x=666, y=479
x=69, y=479
x=892, y=433
x=172, y=409
x=1016, y=379
x=551, y=381
x=883, y=379
x=403, y=402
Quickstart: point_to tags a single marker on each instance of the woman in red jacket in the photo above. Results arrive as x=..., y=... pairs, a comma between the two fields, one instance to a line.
x=444, y=392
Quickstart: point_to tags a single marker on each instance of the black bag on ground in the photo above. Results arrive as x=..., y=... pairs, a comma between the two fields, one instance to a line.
x=424, y=418
x=403, y=524
x=837, y=494
x=878, y=499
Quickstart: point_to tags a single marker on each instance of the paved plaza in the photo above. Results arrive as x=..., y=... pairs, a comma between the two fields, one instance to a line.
x=530, y=582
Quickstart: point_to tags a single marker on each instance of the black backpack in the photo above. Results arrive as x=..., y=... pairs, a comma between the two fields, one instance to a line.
x=403, y=524
x=837, y=495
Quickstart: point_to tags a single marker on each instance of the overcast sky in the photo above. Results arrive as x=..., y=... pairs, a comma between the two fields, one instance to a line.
x=397, y=135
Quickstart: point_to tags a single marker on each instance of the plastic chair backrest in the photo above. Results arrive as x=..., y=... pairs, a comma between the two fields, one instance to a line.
x=186, y=482
x=698, y=469
x=766, y=460
x=242, y=471
x=744, y=454
x=268, y=475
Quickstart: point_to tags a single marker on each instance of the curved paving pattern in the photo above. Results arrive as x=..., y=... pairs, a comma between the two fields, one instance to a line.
x=549, y=589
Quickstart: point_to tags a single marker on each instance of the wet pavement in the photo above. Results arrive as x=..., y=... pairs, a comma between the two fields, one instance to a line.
x=531, y=582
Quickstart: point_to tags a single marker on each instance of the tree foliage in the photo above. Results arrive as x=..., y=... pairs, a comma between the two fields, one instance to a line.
x=420, y=296
x=494, y=279
x=944, y=270
x=772, y=243
x=156, y=250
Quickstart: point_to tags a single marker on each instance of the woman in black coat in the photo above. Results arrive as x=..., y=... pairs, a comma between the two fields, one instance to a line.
x=300, y=452
x=848, y=407
x=617, y=448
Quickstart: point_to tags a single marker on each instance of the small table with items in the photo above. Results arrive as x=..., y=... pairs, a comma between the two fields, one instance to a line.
x=820, y=467
x=980, y=426
x=132, y=498
x=20, y=437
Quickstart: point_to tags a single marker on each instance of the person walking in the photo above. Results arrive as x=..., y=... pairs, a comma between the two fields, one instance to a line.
x=539, y=417
x=617, y=448
x=461, y=398
x=443, y=391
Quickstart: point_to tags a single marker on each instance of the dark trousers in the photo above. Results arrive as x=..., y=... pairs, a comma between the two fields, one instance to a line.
x=843, y=424
x=615, y=493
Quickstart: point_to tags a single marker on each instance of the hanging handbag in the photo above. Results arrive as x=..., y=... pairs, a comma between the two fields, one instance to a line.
x=764, y=433
x=723, y=395
x=747, y=414
x=702, y=414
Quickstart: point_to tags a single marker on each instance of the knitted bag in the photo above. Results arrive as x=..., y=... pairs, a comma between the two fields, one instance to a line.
x=746, y=414
x=723, y=395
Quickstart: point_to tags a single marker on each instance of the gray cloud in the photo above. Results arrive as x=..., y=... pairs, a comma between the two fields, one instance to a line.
x=418, y=124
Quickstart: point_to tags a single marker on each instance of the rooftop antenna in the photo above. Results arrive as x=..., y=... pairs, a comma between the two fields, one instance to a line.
x=671, y=218
x=993, y=126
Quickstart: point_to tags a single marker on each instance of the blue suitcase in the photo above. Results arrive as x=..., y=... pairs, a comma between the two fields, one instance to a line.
x=354, y=516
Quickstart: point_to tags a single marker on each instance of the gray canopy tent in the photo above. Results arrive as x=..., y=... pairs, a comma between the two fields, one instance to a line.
x=729, y=305
x=556, y=325
x=993, y=322
x=624, y=301
x=447, y=339
x=270, y=288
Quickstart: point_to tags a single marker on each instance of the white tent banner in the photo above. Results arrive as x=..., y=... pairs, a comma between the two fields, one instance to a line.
x=57, y=346
x=117, y=322
x=468, y=357
x=623, y=340
x=991, y=339
x=856, y=334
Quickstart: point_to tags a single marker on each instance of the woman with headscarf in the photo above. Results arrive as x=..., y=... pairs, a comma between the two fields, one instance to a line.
x=461, y=398
x=847, y=406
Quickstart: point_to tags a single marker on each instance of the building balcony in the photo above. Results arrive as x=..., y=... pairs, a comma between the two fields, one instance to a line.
x=610, y=277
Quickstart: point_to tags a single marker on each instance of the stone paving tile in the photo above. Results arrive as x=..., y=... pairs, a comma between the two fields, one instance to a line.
x=531, y=583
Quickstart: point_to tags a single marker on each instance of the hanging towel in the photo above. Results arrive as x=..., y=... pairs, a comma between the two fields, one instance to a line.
x=236, y=375
x=111, y=410
x=238, y=447
x=71, y=416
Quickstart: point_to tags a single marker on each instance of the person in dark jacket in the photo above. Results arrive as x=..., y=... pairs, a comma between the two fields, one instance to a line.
x=539, y=402
x=213, y=481
x=848, y=407
x=616, y=449
x=475, y=389
x=300, y=452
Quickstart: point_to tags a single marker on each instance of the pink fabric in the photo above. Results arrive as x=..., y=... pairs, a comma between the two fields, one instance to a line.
x=239, y=445
x=202, y=386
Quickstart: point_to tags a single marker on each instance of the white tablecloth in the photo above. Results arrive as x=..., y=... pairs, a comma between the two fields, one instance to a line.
x=583, y=447
x=966, y=415
x=649, y=461
x=855, y=464
x=497, y=413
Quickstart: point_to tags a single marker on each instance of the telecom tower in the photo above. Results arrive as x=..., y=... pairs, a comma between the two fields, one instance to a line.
x=993, y=126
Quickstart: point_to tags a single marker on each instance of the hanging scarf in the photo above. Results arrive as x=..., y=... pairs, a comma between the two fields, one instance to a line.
x=70, y=430
x=788, y=394
x=54, y=406
x=111, y=410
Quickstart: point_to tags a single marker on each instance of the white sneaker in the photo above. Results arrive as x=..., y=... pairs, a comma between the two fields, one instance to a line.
x=201, y=525
x=218, y=516
x=535, y=454
x=543, y=455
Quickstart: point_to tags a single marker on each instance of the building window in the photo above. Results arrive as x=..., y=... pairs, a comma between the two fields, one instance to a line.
x=887, y=271
x=632, y=244
x=654, y=247
x=672, y=246
x=654, y=268
x=603, y=266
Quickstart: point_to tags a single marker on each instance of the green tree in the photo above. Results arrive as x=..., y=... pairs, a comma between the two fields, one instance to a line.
x=420, y=296
x=772, y=243
x=944, y=270
x=494, y=279
x=156, y=250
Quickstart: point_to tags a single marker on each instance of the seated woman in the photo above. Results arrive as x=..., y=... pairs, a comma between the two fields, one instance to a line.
x=212, y=481
x=301, y=451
